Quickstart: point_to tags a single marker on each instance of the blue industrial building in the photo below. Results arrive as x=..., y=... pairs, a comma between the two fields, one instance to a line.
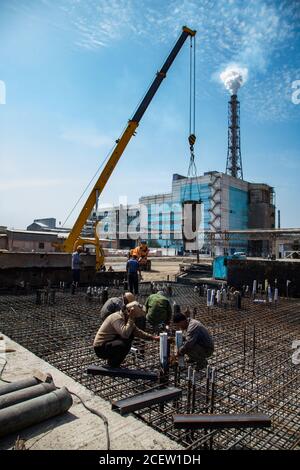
x=223, y=203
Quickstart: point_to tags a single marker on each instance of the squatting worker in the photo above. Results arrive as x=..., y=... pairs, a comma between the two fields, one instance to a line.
x=199, y=344
x=158, y=309
x=133, y=271
x=114, y=338
x=76, y=265
x=115, y=304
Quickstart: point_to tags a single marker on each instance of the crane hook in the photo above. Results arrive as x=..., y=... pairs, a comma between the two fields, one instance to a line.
x=192, y=140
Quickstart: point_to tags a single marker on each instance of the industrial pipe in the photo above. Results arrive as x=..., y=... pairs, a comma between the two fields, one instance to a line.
x=34, y=411
x=19, y=385
x=25, y=394
x=178, y=342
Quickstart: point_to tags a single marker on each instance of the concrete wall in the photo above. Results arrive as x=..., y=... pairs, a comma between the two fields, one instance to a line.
x=30, y=245
x=35, y=269
x=244, y=272
x=40, y=260
x=3, y=242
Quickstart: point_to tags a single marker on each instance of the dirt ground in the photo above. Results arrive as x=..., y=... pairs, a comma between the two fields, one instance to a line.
x=161, y=268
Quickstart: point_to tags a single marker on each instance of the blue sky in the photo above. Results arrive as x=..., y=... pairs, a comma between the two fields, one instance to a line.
x=75, y=70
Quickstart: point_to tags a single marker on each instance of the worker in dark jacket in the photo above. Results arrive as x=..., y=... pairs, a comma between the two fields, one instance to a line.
x=133, y=271
x=114, y=338
x=199, y=344
x=76, y=267
x=158, y=309
x=115, y=304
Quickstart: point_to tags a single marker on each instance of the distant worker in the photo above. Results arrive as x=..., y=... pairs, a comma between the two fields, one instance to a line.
x=133, y=271
x=110, y=269
x=115, y=304
x=158, y=309
x=199, y=344
x=114, y=339
x=76, y=266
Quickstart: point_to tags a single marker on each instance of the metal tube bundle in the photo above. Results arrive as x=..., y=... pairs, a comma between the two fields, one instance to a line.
x=208, y=297
x=254, y=288
x=19, y=385
x=33, y=411
x=178, y=342
x=28, y=393
x=163, y=350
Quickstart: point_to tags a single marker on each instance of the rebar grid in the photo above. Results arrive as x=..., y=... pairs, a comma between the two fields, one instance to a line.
x=253, y=364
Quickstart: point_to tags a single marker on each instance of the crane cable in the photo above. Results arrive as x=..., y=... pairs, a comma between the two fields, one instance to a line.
x=192, y=136
x=192, y=169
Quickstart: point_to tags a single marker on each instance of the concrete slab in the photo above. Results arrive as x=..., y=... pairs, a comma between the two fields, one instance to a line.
x=77, y=429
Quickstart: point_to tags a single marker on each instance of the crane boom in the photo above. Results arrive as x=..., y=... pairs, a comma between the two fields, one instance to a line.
x=73, y=238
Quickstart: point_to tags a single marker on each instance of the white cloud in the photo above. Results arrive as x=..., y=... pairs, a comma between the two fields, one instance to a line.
x=252, y=33
x=255, y=34
x=270, y=98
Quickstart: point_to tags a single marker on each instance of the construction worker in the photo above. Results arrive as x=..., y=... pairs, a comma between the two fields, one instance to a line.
x=133, y=271
x=114, y=338
x=158, y=309
x=115, y=304
x=76, y=266
x=199, y=344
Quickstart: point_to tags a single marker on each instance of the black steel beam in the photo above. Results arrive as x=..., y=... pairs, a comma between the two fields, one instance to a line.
x=214, y=421
x=133, y=374
x=144, y=400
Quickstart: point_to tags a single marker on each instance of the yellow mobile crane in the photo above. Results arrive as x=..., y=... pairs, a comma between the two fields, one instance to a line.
x=74, y=239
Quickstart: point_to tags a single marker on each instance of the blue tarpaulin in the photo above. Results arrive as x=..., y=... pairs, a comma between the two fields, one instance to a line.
x=220, y=267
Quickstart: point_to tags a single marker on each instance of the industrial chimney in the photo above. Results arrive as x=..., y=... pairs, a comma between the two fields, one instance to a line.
x=233, y=77
x=234, y=158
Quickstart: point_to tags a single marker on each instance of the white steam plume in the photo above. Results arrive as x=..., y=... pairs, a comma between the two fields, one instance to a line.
x=233, y=77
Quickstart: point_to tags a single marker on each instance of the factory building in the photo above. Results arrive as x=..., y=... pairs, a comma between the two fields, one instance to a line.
x=210, y=205
x=224, y=203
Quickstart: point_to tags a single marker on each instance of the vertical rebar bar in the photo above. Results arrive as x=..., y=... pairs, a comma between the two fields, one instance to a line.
x=189, y=384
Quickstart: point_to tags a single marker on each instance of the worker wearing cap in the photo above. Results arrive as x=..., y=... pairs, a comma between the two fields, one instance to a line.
x=158, y=309
x=76, y=266
x=133, y=270
x=199, y=344
x=115, y=304
x=114, y=338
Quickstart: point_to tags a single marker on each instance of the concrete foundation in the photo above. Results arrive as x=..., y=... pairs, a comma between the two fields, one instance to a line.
x=244, y=272
x=18, y=270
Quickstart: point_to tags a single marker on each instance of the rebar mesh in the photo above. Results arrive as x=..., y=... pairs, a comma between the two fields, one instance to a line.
x=254, y=371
